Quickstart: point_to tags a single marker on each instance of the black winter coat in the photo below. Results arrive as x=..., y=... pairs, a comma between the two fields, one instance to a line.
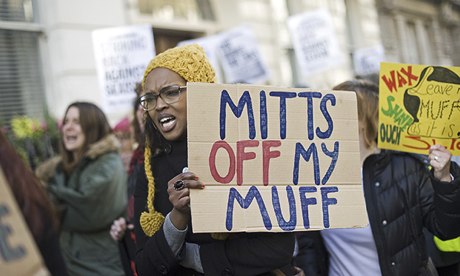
x=240, y=254
x=402, y=197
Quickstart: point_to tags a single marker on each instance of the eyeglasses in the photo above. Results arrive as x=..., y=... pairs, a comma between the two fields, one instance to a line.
x=169, y=94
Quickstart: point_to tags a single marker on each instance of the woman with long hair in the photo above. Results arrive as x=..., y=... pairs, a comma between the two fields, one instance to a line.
x=34, y=205
x=88, y=184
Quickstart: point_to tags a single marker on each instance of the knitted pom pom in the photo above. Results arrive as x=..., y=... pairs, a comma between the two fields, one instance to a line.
x=151, y=222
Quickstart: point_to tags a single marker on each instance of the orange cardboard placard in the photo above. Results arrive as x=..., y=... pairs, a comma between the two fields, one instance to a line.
x=419, y=106
x=273, y=159
x=18, y=253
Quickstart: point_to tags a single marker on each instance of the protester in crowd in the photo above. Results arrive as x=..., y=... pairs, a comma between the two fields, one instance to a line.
x=122, y=229
x=165, y=242
x=87, y=183
x=34, y=205
x=401, y=196
x=123, y=133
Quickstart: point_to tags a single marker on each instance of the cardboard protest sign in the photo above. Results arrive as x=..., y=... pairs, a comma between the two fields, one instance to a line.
x=121, y=55
x=419, y=106
x=273, y=159
x=18, y=253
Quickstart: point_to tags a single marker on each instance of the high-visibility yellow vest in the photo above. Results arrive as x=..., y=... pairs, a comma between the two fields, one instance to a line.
x=452, y=245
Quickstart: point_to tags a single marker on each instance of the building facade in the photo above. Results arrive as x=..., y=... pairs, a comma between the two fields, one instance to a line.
x=47, y=59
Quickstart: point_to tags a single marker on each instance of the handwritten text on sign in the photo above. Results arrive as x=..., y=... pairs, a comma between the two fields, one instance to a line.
x=18, y=252
x=419, y=107
x=273, y=159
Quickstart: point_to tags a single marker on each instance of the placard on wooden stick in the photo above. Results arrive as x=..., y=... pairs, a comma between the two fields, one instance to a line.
x=273, y=159
x=18, y=253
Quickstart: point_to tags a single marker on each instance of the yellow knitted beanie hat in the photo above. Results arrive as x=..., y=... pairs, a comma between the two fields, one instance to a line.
x=191, y=63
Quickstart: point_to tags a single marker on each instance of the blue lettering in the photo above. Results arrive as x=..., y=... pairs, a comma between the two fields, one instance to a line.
x=263, y=115
x=283, y=96
x=310, y=96
x=306, y=154
x=300, y=151
x=285, y=225
x=305, y=201
x=245, y=203
x=334, y=155
x=8, y=252
x=327, y=116
x=237, y=111
x=326, y=202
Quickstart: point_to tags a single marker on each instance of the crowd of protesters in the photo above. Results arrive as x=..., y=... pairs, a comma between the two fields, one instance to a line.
x=91, y=215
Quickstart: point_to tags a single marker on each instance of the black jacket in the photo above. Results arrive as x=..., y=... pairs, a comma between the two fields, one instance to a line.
x=240, y=254
x=402, y=197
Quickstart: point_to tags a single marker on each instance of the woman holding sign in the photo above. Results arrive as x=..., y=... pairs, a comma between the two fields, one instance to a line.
x=402, y=198
x=166, y=245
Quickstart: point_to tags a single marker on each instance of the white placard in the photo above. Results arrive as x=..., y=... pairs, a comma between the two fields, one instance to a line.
x=240, y=57
x=366, y=61
x=121, y=54
x=314, y=40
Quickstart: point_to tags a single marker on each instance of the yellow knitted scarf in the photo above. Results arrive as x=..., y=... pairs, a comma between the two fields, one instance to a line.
x=152, y=220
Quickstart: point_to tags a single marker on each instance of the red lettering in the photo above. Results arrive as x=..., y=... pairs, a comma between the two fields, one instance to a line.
x=391, y=83
x=212, y=162
x=401, y=80
x=454, y=144
x=409, y=74
x=424, y=144
x=242, y=155
x=267, y=155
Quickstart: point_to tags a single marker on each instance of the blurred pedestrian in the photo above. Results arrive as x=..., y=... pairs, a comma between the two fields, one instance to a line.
x=123, y=132
x=34, y=205
x=122, y=229
x=88, y=183
x=402, y=197
x=166, y=244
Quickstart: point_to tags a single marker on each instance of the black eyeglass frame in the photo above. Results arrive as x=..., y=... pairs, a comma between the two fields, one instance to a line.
x=176, y=93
